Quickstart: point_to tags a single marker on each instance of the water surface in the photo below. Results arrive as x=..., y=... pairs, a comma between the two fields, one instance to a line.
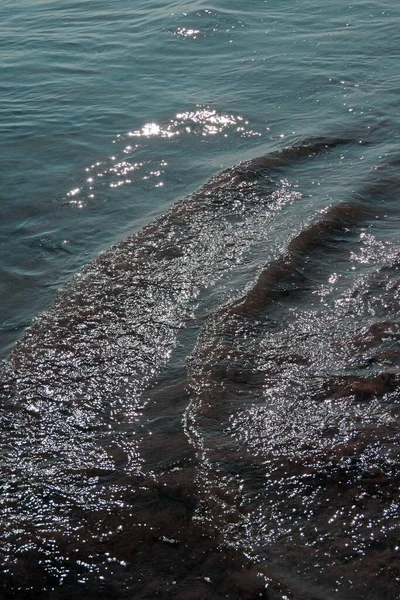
x=200, y=380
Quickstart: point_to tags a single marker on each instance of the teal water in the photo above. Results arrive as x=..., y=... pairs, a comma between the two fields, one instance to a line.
x=200, y=377
x=218, y=84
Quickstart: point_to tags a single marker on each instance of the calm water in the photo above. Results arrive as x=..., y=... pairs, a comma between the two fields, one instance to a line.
x=201, y=364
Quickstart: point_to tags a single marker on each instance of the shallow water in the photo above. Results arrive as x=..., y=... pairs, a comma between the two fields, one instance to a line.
x=209, y=408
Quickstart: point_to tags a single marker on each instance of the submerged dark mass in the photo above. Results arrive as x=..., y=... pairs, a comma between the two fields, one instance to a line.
x=160, y=439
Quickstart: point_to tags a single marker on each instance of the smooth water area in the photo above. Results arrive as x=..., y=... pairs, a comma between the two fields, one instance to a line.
x=201, y=376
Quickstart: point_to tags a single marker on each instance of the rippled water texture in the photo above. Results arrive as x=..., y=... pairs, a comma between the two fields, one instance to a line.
x=200, y=385
x=271, y=439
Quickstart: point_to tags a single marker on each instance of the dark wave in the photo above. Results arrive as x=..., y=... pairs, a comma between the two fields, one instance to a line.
x=149, y=450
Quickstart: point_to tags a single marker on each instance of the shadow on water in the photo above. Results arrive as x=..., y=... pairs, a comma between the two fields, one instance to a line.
x=149, y=452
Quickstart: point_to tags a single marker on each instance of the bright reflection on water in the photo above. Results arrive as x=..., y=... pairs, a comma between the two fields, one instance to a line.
x=122, y=169
x=200, y=122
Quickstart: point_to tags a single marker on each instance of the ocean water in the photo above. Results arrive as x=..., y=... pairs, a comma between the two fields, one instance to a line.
x=199, y=323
